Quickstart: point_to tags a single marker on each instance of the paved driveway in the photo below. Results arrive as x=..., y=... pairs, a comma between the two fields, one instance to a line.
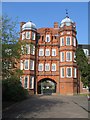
x=49, y=107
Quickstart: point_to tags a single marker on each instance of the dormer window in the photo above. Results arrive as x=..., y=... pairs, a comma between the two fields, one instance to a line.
x=47, y=38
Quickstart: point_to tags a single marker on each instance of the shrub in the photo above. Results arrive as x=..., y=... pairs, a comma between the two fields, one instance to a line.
x=12, y=90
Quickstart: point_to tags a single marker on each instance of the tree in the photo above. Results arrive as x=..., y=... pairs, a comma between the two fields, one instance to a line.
x=83, y=66
x=12, y=90
x=11, y=51
x=11, y=48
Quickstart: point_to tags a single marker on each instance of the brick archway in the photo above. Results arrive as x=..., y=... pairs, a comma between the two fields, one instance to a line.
x=46, y=86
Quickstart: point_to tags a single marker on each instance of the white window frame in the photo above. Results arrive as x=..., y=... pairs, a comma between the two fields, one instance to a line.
x=70, y=56
x=27, y=82
x=32, y=79
x=53, y=50
x=33, y=49
x=32, y=62
x=62, y=33
x=25, y=64
x=74, y=41
x=21, y=80
x=67, y=40
x=47, y=51
x=22, y=49
x=68, y=33
x=53, y=65
x=21, y=64
x=27, y=49
x=40, y=65
x=75, y=72
x=27, y=35
x=23, y=35
x=47, y=65
x=62, y=41
x=47, y=36
x=61, y=56
x=62, y=76
x=74, y=57
x=33, y=35
x=41, y=50
x=86, y=50
x=67, y=72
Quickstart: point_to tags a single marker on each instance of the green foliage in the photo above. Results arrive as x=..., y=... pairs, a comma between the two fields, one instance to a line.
x=12, y=90
x=11, y=47
x=83, y=66
x=11, y=51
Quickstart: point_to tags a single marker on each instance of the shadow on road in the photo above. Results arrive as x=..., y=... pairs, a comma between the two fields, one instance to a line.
x=33, y=104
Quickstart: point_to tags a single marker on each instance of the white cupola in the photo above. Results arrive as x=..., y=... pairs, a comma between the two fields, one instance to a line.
x=29, y=26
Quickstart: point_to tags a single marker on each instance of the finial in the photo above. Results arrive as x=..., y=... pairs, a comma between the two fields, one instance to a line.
x=66, y=12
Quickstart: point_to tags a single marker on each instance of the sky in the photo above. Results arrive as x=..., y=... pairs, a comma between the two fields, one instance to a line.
x=44, y=14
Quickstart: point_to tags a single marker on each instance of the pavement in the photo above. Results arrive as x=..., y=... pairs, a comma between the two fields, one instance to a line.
x=49, y=106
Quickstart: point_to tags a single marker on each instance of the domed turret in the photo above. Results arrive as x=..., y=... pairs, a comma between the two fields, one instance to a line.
x=29, y=26
x=67, y=21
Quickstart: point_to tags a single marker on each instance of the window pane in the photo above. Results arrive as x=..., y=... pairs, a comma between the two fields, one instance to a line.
x=33, y=36
x=86, y=51
x=23, y=35
x=21, y=65
x=69, y=56
x=62, y=72
x=68, y=41
x=31, y=65
x=47, y=38
x=27, y=49
x=32, y=49
x=40, y=67
x=47, y=67
x=74, y=57
x=41, y=52
x=62, y=56
x=74, y=41
x=26, y=82
x=47, y=52
x=21, y=80
x=53, y=67
x=22, y=49
x=26, y=64
x=62, y=41
x=75, y=72
x=27, y=35
x=53, y=52
x=31, y=82
x=69, y=72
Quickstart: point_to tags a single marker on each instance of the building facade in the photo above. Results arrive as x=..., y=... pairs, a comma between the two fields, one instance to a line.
x=47, y=58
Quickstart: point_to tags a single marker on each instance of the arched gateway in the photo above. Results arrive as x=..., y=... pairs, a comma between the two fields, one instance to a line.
x=46, y=86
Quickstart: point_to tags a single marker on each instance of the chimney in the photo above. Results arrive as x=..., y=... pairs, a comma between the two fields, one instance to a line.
x=21, y=24
x=55, y=24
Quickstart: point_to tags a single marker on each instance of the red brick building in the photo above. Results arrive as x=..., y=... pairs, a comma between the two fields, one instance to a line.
x=48, y=56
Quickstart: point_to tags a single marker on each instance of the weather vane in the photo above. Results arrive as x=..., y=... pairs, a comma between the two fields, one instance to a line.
x=66, y=12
